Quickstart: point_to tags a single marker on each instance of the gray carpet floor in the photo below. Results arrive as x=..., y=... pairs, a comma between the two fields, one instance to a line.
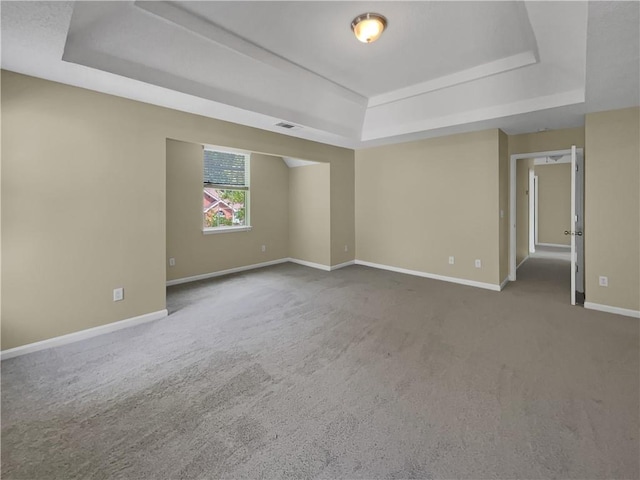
x=290, y=372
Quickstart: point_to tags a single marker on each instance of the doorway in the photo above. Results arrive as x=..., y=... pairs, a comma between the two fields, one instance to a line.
x=548, y=241
x=549, y=202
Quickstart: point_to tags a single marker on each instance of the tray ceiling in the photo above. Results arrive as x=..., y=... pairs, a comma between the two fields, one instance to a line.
x=440, y=66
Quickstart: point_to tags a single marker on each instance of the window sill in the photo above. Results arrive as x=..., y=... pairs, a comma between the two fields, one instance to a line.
x=210, y=231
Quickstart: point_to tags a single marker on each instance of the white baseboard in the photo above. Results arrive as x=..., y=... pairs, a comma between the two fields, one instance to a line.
x=557, y=245
x=342, y=265
x=204, y=276
x=319, y=266
x=82, y=334
x=461, y=281
x=220, y=273
x=520, y=264
x=552, y=255
x=504, y=283
x=617, y=310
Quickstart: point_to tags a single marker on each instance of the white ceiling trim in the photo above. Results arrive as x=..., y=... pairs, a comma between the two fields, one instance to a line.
x=481, y=71
x=34, y=36
x=172, y=13
x=515, y=108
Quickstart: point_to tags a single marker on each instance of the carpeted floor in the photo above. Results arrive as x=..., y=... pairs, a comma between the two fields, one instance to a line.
x=290, y=372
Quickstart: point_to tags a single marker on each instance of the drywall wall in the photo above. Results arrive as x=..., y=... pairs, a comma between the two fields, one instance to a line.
x=554, y=203
x=547, y=141
x=418, y=203
x=523, y=166
x=612, y=208
x=503, y=214
x=196, y=253
x=343, y=233
x=309, y=214
x=98, y=219
x=83, y=212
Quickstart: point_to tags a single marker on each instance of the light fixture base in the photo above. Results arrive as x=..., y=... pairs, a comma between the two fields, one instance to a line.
x=368, y=27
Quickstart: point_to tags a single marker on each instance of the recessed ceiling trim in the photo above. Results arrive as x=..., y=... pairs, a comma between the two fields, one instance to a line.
x=196, y=25
x=485, y=70
x=497, y=111
x=119, y=66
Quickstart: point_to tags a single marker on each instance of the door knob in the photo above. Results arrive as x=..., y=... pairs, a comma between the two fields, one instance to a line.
x=579, y=234
x=566, y=232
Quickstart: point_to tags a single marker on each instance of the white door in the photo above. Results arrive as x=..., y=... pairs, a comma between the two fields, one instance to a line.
x=577, y=222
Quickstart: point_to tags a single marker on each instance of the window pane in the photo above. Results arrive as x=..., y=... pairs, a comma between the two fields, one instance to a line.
x=224, y=168
x=224, y=208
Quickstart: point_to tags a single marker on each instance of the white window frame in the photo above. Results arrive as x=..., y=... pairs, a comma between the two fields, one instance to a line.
x=247, y=189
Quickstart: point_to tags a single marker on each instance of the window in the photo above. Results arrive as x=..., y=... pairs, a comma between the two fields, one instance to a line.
x=226, y=191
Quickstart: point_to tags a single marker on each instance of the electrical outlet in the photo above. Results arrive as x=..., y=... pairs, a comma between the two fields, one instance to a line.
x=264, y=248
x=603, y=281
x=172, y=262
x=118, y=294
x=478, y=263
x=452, y=260
x=346, y=248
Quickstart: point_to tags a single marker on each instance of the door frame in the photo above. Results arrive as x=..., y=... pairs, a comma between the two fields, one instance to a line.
x=533, y=211
x=512, y=199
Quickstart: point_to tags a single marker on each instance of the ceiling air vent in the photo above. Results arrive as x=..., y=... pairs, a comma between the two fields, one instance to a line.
x=288, y=126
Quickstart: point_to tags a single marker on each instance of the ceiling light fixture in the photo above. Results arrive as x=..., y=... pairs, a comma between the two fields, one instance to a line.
x=368, y=27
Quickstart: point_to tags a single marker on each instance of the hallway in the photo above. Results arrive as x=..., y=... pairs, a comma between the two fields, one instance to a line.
x=549, y=277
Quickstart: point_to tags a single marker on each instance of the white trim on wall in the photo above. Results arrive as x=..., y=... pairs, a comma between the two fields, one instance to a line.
x=536, y=212
x=559, y=245
x=552, y=255
x=512, y=200
x=524, y=260
x=504, y=283
x=82, y=334
x=550, y=161
x=531, y=198
x=319, y=266
x=461, y=281
x=342, y=265
x=219, y=273
x=149, y=317
x=617, y=310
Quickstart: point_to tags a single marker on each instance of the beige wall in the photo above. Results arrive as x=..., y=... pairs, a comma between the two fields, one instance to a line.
x=561, y=139
x=503, y=214
x=309, y=214
x=343, y=231
x=522, y=208
x=554, y=203
x=612, y=208
x=84, y=202
x=418, y=203
x=196, y=253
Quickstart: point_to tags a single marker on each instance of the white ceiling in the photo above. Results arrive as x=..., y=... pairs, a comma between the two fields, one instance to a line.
x=440, y=68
